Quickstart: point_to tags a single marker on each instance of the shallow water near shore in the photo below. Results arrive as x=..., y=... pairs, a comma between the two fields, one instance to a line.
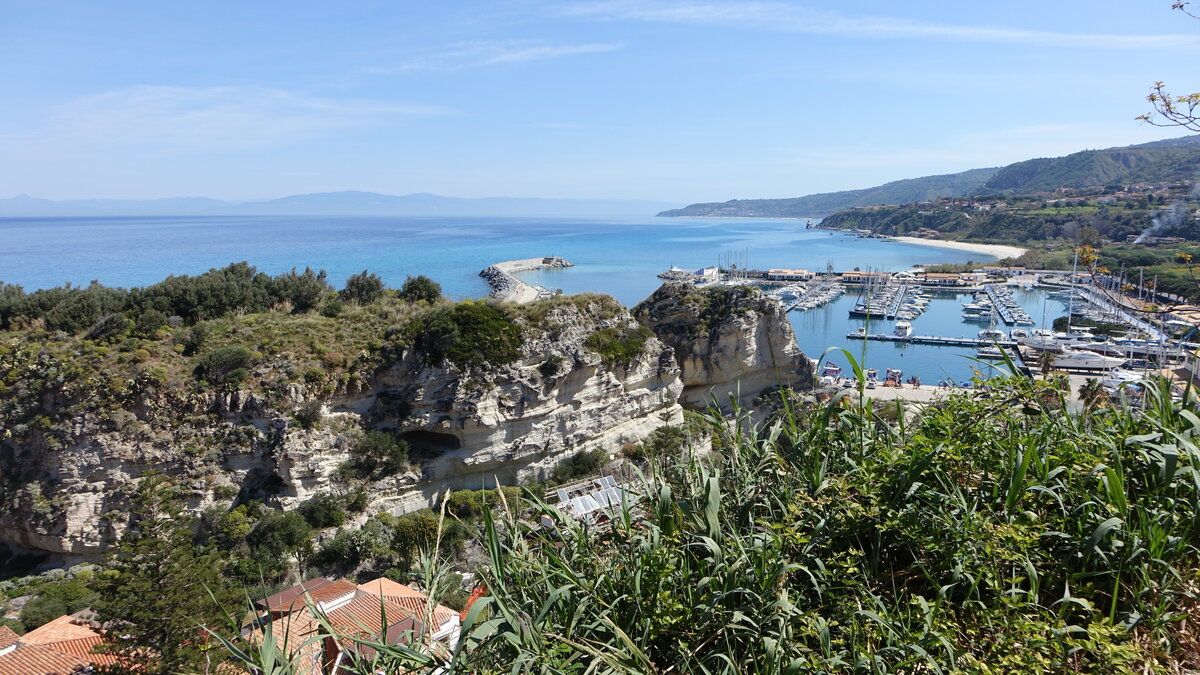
x=616, y=256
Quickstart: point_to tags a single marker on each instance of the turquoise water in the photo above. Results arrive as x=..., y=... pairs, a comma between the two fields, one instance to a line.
x=618, y=257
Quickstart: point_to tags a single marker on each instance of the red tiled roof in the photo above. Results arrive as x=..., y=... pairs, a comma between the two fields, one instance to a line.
x=409, y=598
x=63, y=628
x=39, y=660
x=8, y=637
x=319, y=589
x=82, y=648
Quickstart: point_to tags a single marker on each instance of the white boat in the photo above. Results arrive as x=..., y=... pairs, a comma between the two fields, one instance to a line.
x=990, y=334
x=831, y=369
x=1042, y=340
x=1078, y=359
x=1019, y=334
x=990, y=354
x=902, y=329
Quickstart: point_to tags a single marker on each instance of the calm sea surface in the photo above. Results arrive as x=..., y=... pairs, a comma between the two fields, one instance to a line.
x=618, y=257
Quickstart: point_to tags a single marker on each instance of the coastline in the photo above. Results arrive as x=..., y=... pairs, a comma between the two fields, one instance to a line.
x=997, y=250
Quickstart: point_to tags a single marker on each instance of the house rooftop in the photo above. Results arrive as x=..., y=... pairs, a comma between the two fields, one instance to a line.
x=39, y=660
x=63, y=629
x=320, y=589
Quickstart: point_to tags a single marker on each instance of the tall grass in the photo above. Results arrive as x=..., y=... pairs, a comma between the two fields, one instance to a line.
x=992, y=533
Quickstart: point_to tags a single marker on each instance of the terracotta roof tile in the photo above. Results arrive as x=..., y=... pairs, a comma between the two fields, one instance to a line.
x=39, y=660
x=320, y=590
x=82, y=649
x=407, y=597
x=8, y=637
x=385, y=587
x=59, y=630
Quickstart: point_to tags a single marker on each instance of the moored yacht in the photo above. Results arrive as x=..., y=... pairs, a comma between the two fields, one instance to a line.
x=1078, y=359
x=902, y=329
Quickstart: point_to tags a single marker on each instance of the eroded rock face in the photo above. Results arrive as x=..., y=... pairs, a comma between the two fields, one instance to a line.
x=479, y=427
x=728, y=341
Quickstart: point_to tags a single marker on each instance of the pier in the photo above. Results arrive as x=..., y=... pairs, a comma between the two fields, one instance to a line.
x=505, y=285
x=931, y=340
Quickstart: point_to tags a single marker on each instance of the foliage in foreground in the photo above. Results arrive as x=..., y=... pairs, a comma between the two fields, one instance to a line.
x=994, y=533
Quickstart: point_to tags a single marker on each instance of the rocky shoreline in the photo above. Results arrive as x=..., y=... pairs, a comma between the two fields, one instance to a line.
x=507, y=287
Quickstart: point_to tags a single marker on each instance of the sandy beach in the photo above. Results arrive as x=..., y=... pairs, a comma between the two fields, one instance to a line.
x=998, y=250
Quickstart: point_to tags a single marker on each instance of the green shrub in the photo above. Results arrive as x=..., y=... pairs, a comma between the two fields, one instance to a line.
x=323, y=510
x=365, y=288
x=471, y=334
x=303, y=290
x=420, y=288
x=579, y=465
x=619, y=345
x=332, y=308
x=308, y=415
x=149, y=322
x=195, y=338
x=225, y=366
x=377, y=454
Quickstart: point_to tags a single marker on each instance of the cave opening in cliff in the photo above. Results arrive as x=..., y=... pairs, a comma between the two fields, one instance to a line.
x=429, y=444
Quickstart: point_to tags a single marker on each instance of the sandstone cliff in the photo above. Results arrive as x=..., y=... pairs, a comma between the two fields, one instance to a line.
x=728, y=341
x=77, y=440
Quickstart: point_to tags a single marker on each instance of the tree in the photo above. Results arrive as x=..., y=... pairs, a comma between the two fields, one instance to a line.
x=303, y=290
x=1173, y=110
x=420, y=288
x=155, y=589
x=363, y=288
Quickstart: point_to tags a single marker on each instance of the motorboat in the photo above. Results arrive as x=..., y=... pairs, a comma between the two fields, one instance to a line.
x=990, y=334
x=1018, y=334
x=1078, y=359
x=1041, y=340
x=902, y=329
x=831, y=369
x=990, y=354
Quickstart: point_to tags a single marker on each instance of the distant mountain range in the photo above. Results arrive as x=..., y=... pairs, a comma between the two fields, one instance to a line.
x=1169, y=160
x=333, y=204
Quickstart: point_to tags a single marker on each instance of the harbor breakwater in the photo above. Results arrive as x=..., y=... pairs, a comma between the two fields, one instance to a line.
x=505, y=286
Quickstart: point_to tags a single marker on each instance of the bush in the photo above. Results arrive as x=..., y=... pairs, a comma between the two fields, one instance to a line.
x=196, y=338
x=420, y=287
x=149, y=322
x=225, y=366
x=332, y=308
x=274, y=538
x=308, y=415
x=579, y=465
x=211, y=295
x=471, y=334
x=322, y=511
x=619, y=346
x=303, y=290
x=377, y=454
x=365, y=288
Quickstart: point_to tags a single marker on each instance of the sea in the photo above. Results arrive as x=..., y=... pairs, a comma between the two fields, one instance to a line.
x=617, y=256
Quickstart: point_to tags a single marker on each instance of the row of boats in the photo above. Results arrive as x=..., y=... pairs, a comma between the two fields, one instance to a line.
x=811, y=295
x=903, y=301
x=993, y=302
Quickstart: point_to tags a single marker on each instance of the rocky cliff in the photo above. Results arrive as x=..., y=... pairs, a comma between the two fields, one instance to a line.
x=79, y=433
x=272, y=406
x=728, y=341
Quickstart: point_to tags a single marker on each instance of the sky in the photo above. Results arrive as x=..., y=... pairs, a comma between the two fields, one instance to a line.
x=680, y=101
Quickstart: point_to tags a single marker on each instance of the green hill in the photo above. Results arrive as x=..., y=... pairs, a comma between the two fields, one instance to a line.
x=818, y=205
x=1169, y=161
x=1160, y=161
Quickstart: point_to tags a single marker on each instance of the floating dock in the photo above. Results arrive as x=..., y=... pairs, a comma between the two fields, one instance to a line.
x=931, y=340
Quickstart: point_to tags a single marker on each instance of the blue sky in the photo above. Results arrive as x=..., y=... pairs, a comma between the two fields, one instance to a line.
x=678, y=101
